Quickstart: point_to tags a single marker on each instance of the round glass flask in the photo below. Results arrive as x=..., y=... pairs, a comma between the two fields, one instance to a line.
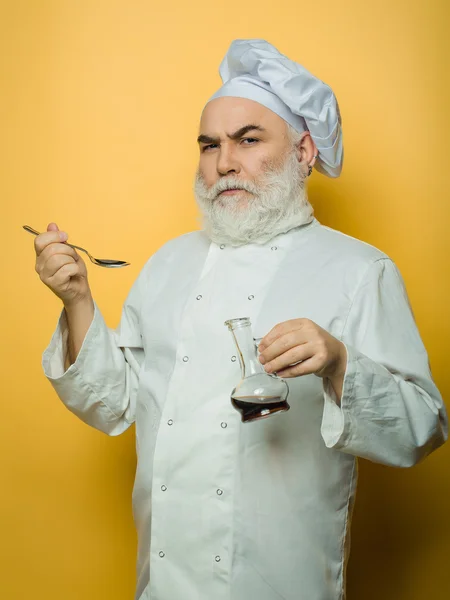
x=258, y=394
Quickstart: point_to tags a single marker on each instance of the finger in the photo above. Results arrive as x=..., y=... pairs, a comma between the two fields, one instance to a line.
x=50, y=237
x=281, y=329
x=282, y=344
x=64, y=274
x=55, y=249
x=53, y=264
x=307, y=367
x=52, y=227
x=289, y=358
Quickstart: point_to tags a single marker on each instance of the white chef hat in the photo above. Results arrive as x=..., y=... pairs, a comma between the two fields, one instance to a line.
x=256, y=70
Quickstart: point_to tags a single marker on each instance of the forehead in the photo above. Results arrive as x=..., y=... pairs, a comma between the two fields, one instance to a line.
x=228, y=114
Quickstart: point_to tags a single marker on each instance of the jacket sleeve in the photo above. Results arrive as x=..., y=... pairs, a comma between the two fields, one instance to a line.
x=391, y=411
x=101, y=386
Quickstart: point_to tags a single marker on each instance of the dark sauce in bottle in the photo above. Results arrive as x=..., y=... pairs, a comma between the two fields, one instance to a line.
x=253, y=408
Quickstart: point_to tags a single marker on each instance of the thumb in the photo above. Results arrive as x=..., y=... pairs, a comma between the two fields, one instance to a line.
x=52, y=227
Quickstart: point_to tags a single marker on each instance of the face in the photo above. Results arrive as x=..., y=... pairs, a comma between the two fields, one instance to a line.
x=250, y=183
x=230, y=149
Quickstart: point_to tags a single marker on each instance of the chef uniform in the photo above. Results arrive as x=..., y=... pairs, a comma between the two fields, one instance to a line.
x=256, y=511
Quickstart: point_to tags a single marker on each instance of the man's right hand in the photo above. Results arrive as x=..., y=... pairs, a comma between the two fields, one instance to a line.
x=61, y=268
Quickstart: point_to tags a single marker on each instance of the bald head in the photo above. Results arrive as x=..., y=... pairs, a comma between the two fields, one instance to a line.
x=228, y=114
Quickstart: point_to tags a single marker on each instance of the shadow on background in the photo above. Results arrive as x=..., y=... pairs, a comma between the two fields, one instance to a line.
x=393, y=532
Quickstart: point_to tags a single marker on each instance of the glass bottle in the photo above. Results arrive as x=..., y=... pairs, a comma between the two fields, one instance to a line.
x=258, y=394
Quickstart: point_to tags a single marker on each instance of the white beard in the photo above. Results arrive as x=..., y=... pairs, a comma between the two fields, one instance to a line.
x=277, y=204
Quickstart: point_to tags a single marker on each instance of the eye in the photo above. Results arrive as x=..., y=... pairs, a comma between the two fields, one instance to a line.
x=251, y=141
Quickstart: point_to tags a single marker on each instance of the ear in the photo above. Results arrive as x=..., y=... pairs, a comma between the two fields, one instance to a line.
x=306, y=150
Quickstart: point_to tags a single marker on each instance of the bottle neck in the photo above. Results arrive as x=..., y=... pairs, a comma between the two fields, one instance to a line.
x=247, y=353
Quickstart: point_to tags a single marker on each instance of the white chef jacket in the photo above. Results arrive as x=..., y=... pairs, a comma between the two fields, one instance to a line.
x=256, y=511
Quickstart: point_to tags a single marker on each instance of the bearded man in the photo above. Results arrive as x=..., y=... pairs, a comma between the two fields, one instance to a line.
x=224, y=509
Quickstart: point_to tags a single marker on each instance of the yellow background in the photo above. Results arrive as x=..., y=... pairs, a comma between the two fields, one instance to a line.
x=100, y=103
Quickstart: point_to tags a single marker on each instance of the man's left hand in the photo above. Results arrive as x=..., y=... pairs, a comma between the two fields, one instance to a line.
x=302, y=341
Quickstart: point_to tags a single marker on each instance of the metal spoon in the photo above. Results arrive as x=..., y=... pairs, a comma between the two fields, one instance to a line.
x=101, y=262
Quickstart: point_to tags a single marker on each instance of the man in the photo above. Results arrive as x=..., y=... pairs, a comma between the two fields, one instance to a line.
x=260, y=511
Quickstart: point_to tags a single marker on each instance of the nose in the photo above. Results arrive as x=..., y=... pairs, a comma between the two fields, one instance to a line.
x=227, y=161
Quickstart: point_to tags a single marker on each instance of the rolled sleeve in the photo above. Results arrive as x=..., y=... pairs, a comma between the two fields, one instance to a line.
x=334, y=426
x=390, y=411
x=96, y=386
x=54, y=356
x=102, y=385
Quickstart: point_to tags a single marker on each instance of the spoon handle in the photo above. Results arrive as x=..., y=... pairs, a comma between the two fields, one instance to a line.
x=78, y=248
x=34, y=232
x=30, y=229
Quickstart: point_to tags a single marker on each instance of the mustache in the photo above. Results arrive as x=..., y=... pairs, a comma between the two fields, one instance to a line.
x=230, y=183
x=270, y=169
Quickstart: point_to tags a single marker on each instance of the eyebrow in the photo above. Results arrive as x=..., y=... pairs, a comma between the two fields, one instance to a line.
x=207, y=139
